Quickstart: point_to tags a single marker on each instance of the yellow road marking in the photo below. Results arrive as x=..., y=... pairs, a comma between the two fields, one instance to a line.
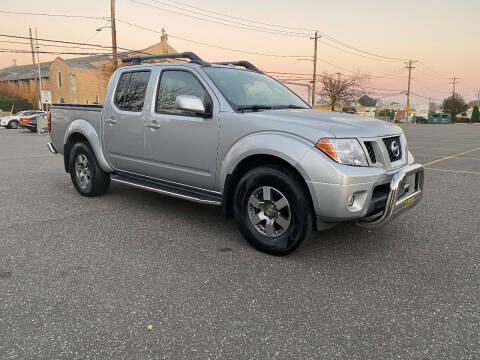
x=451, y=156
x=455, y=171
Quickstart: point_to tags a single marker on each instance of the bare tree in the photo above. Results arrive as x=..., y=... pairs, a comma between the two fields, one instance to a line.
x=334, y=90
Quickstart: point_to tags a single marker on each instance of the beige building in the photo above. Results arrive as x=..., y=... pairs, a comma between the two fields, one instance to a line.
x=81, y=80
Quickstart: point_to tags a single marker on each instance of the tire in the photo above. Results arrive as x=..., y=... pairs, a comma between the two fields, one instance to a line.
x=87, y=176
x=13, y=124
x=272, y=209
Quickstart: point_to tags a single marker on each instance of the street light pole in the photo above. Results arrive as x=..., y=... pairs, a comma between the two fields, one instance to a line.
x=114, y=34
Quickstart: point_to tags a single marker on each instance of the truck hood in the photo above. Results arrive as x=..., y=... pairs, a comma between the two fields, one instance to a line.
x=315, y=124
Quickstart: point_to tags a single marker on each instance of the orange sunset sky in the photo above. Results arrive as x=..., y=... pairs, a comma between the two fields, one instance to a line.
x=443, y=35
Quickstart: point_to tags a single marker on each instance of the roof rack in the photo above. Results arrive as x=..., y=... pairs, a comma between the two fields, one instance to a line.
x=246, y=64
x=137, y=60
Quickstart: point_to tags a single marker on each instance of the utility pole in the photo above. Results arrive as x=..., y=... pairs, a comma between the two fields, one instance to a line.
x=409, y=67
x=453, y=83
x=114, y=34
x=39, y=72
x=37, y=87
x=314, y=82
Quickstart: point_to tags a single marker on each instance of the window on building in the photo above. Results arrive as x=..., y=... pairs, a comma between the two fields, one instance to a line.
x=131, y=89
x=59, y=78
x=174, y=83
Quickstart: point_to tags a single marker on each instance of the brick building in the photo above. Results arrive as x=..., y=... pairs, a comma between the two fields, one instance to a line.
x=81, y=80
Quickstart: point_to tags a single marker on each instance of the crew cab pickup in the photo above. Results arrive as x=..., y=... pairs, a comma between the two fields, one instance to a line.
x=227, y=134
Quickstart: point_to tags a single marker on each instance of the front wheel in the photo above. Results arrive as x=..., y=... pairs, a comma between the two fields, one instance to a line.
x=272, y=209
x=87, y=176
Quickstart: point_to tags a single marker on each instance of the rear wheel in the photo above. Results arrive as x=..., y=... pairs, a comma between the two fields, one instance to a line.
x=272, y=210
x=87, y=176
x=13, y=124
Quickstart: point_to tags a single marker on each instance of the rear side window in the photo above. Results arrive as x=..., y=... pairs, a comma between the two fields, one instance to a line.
x=174, y=83
x=131, y=89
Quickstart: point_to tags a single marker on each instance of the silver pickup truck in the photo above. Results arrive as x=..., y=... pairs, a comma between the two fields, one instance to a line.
x=227, y=134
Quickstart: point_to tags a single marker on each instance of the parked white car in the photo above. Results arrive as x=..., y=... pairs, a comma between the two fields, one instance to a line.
x=13, y=121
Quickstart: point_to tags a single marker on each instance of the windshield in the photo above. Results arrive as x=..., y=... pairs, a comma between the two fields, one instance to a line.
x=247, y=90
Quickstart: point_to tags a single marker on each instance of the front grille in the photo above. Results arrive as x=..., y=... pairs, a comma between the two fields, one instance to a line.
x=371, y=151
x=388, y=144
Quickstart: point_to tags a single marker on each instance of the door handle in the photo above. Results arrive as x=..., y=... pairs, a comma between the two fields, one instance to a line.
x=153, y=125
x=110, y=121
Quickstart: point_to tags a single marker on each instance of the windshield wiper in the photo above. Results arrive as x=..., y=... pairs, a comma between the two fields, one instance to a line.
x=255, y=107
x=289, y=107
x=268, y=107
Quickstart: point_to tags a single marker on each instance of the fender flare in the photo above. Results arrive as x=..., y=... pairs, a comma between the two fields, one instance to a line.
x=285, y=146
x=83, y=127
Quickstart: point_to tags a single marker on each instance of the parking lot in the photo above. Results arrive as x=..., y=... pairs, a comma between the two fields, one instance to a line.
x=83, y=277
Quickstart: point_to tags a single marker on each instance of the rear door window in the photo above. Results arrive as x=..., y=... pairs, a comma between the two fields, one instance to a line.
x=131, y=90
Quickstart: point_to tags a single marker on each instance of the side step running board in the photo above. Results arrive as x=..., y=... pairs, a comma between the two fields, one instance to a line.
x=167, y=189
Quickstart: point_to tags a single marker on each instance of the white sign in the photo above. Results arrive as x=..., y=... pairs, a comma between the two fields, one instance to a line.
x=46, y=97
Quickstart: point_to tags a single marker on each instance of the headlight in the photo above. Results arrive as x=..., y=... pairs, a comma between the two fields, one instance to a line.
x=344, y=151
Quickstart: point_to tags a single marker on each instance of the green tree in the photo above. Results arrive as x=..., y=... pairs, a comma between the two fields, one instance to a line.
x=476, y=114
x=454, y=105
x=19, y=104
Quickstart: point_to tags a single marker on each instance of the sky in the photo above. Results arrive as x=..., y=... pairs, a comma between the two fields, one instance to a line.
x=443, y=35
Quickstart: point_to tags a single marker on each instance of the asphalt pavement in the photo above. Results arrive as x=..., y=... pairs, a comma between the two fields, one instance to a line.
x=83, y=278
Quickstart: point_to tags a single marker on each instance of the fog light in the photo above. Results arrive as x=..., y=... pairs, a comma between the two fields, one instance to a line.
x=351, y=200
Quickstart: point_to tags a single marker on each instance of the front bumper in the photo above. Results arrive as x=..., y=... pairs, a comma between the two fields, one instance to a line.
x=376, y=200
x=398, y=202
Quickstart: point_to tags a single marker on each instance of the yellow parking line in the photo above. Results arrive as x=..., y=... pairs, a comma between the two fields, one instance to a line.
x=451, y=156
x=455, y=171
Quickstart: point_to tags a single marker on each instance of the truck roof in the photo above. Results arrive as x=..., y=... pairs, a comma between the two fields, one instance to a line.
x=194, y=60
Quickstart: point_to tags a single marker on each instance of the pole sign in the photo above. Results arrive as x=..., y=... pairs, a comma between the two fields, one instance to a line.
x=46, y=97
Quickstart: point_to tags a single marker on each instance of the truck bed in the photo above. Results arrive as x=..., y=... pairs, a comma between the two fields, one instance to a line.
x=64, y=114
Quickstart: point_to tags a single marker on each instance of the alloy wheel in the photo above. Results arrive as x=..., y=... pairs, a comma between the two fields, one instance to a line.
x=269, y=211
x=82, y=170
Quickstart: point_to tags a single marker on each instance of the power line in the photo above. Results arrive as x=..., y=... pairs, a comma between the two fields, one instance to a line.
x=74, y=43
x=50, y=45
x=221, y=23
x=226, y=20
x=211, y=45
x=56, y=41
x=360, y=55
x=425, y=97
x=427, y=87
x=245, y=26
x=20, y=51
x=54, y=15
x=324, y=35
x=432, y=70
x=360, y=50
x=238, y=18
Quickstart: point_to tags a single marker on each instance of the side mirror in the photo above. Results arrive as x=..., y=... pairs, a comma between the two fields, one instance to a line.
x=191, y=103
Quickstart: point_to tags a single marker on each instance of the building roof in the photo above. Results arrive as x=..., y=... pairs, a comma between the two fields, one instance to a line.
x=24, y=72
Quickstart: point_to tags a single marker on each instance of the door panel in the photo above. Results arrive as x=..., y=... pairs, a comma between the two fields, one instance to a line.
x=182, y=146
x=124, y=122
